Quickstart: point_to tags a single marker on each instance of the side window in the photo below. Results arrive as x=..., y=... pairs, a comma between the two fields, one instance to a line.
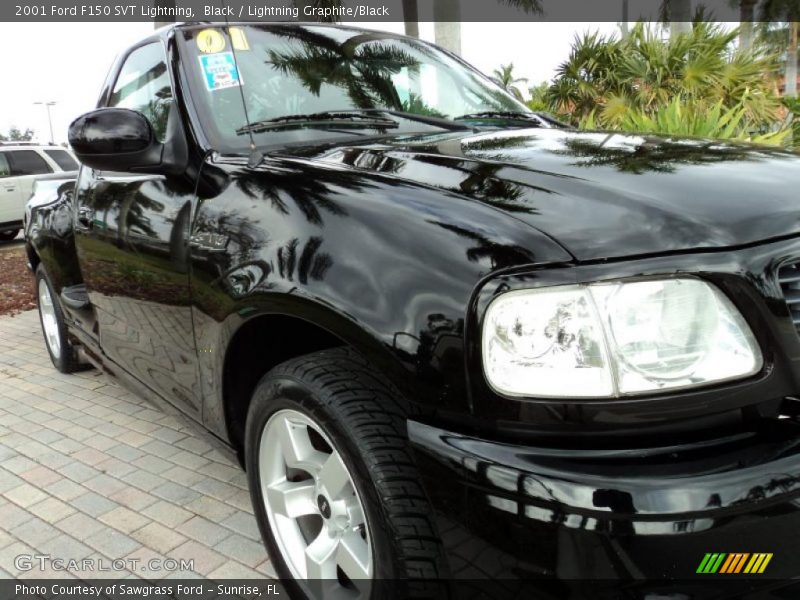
x=27, y=162
x=5, y=170
x=143, y=85
x=62, y=159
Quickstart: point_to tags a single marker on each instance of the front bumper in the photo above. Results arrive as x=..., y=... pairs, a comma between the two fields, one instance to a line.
x=649, y=515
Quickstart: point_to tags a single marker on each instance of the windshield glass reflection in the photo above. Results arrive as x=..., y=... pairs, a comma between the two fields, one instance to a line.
x=305, y=70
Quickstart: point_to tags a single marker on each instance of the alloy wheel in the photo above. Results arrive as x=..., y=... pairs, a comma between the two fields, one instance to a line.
x=49, y=319
x=313, y=507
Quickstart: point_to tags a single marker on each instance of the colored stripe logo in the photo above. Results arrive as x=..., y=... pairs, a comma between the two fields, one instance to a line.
x=734, y=563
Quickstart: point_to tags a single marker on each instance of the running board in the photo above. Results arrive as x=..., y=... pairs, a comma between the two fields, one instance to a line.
x=75, y=297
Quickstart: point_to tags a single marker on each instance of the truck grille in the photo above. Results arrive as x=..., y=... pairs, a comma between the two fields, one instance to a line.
x=789, y=278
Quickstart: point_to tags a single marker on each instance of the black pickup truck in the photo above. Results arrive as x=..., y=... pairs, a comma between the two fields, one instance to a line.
x=446, y=337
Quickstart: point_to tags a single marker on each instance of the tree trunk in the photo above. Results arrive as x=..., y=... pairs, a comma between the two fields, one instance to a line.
x=624, y=24
x=746, y=16
x=447, y=14
x=411, y=17
x=680, y=17
x=791, y=61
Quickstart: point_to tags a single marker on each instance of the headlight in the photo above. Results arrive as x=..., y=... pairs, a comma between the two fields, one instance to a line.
x=614, y=339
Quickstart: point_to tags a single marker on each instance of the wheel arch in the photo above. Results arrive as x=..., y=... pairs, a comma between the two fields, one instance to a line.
x=252, y=352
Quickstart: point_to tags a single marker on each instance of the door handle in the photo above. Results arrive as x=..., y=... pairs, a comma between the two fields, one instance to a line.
x=11, y=189
x=85, y=217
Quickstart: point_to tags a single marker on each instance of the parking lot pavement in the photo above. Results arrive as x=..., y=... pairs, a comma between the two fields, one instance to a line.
x=89, y=470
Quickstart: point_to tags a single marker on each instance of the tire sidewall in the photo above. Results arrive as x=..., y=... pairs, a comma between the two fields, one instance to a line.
x=278, y=393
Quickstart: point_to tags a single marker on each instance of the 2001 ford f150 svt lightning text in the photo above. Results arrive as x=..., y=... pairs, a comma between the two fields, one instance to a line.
x=446, y=336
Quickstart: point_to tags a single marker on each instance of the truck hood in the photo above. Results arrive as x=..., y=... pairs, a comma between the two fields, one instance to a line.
x=602, y=195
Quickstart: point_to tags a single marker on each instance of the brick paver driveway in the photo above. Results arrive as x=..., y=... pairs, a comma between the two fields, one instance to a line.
x=89, y=470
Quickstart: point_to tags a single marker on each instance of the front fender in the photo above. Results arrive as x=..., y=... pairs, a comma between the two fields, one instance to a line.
x=387, y=266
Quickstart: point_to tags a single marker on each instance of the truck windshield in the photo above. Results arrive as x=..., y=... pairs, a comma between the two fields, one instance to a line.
x=291, y=70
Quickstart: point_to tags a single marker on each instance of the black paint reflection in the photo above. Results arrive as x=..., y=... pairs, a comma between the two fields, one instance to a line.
x=499, y=255
x=134, y=258
x=594, y=515
x=310, y=263
x=601, y=195
x=286, y=187
x=479, y=180
x=642, y=155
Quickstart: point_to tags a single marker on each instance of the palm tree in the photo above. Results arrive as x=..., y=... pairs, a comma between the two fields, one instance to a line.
x=538, y=101
x=791, y=62
x=447, y=14
x=589, y=75
x=681, y=17
x=411, y=17
x=747, y=10
x=789, y=31
x=678, y=13
x=607, y=77
x=779, y=32
x=504, y=77
x=447, y=24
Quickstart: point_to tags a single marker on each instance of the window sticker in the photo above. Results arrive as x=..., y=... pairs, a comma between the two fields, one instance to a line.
x=220, y=71
x=239, y=39
x=210, y=41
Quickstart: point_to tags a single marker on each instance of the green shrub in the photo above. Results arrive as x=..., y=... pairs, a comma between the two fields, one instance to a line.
x=696, y=83
x=695, y=119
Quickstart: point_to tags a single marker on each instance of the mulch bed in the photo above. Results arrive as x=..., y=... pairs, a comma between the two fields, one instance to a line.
x=16, y=282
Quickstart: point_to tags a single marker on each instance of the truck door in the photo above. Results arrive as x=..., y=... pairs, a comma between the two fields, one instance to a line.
x=131, y=234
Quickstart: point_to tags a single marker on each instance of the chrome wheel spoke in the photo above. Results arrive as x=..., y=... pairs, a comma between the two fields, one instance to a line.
x=321, y=556
x=292, y=499
x=353, y=557
x=297, y=449
x=334, y=477
x=355, y=513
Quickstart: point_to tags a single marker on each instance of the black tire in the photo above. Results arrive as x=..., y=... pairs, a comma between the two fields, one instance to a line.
x=7, y=236
x=67, y=359
x=364, y=417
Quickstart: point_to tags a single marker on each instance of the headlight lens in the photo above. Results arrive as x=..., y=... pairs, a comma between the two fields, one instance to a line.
x=613, y=339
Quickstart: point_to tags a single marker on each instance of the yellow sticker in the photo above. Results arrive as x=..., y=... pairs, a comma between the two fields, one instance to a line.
x=239, y=39
x=210, y=41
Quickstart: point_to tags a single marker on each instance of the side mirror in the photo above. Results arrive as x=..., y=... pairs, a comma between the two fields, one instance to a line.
x=119, y=139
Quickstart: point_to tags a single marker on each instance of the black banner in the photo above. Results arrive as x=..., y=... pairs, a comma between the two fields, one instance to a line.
x=384, y=10
x=717, y=587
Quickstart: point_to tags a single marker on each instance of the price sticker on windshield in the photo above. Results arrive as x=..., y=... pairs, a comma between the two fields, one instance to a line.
x=219, y=71
x=210, y=41
x=239, y=39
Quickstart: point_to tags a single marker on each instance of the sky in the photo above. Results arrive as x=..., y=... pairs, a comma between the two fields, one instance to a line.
x=66, y=63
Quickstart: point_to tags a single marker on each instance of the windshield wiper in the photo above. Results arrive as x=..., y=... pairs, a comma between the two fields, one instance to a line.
x=442, y=122
x=498, y=114
x=322, y=119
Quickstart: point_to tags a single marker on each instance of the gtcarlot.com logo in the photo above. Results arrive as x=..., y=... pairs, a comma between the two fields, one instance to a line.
x=735, y=563
x=43, y=562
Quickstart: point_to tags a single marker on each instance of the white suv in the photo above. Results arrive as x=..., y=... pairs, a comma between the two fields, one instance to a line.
x=20, y=165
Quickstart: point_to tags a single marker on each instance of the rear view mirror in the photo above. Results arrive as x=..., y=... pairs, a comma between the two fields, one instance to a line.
x=119, y=139
x=114, y=139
